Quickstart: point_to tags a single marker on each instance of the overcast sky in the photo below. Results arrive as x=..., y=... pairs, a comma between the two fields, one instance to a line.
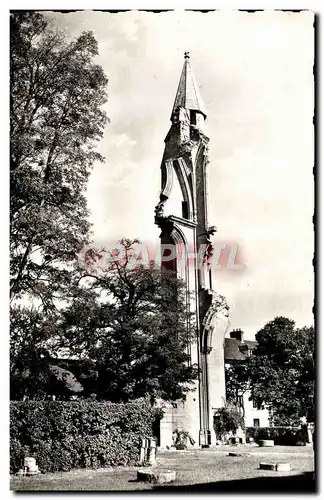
x=255, y=76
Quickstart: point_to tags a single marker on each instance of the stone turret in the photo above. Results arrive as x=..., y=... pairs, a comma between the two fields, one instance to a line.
x=182, y=215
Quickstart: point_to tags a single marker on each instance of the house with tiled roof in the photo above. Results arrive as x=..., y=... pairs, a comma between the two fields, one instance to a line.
x=238, y=350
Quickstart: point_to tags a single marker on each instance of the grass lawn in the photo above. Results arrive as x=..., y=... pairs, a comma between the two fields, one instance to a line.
x=199, y=470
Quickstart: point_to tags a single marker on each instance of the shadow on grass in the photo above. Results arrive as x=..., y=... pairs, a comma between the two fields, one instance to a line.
x=302, y=483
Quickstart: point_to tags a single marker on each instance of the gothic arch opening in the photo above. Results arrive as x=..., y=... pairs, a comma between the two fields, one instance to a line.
x=168, y=253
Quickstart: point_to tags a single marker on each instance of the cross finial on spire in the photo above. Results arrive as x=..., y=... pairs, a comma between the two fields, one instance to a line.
x=186, y=55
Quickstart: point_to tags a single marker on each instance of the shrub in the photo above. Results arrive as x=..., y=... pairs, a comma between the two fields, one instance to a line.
x=62, y=435
x=181, y=439
x=288, y=436
x=227, y=419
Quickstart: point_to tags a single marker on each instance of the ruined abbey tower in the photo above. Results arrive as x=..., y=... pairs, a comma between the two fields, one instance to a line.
x=182, y=216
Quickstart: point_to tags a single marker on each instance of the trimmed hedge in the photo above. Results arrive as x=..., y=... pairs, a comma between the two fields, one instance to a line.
x=286, y=436
x=63, y=435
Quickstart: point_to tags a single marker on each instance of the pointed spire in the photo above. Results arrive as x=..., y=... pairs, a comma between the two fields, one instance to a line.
x=188, y=94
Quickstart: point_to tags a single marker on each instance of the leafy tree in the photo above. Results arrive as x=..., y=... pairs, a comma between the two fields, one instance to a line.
x=32, y=373
x=236, y=381
x=281, y=373
x=29, y=370
x=134, y=323
x=56, y=119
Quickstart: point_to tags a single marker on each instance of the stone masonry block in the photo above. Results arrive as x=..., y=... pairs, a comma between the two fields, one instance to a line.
x=267, y=466
x=156, y=476
x=266, y=443
x=283, y=467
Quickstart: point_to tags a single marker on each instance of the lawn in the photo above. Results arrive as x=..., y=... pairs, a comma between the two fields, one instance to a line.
x=210, y=469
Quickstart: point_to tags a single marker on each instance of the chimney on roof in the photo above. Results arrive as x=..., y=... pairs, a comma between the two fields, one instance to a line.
x=237, y=334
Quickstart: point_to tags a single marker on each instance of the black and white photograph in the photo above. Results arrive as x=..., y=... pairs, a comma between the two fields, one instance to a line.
x=162, y=239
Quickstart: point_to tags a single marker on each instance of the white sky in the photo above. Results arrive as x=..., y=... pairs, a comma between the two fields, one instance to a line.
x=255, y=77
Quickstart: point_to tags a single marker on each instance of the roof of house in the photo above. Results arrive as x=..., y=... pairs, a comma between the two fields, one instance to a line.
x=251, y=343
x=236, y=350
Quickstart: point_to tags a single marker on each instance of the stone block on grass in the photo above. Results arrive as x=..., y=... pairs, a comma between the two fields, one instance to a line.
x=267, y=466
x=234, y=454
x=156, y=476
x=283, y=467
x=266, y=443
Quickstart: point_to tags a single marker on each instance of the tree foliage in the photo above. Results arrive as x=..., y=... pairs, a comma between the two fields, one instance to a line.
x=228, y=419
x=56, y=119
x=135, y=324
x=130, y=327
x=236, y=381
x=281, y=372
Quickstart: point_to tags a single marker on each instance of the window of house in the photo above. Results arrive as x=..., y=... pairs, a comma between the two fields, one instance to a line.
x=256, y=422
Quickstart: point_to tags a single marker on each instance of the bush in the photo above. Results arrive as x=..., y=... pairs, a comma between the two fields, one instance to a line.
x=181, y=439
x=62, y=435
x=287, y=436
x=227, y=419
